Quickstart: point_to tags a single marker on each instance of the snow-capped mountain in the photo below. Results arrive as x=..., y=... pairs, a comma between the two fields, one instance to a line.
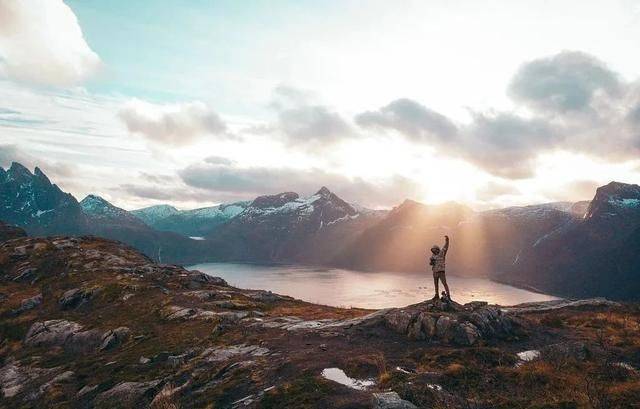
x=31, y=201
x=287, y=227
x=196, y=222
x=150, y=215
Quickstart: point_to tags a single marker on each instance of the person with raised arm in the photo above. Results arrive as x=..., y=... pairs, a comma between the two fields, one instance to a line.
x=437, y=262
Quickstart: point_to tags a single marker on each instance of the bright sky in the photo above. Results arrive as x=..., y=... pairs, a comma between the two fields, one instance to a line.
x=193, y=103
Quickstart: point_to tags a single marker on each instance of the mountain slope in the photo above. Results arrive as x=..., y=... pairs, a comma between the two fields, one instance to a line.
x=594, y=255
x=483, y=243
x=400, y=241
x=102, y=212
x=107, y=220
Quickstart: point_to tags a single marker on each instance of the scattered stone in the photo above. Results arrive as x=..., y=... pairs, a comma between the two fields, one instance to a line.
x=195, y=280
x=390, y=400
x=86, y=391
x=68, y=334
x=14, y=378
x=267, y=296
x=28, y=274
x=114, y=338
x=58, y=379
x=564, y=351
x=29, y=304
x=223, y=353
x=129, y=394
x=174, y=312
x=74, y=298
x=144, y=361
x=51, y=333
x=204, y=295
x=178, y=360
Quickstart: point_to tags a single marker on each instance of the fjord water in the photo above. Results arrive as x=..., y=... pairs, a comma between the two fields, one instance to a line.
x=348, y=288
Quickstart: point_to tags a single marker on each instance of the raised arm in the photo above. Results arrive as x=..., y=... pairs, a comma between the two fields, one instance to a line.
x=446, y=245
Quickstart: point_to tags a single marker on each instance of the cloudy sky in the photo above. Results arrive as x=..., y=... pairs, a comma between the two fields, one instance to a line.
x=489, y=103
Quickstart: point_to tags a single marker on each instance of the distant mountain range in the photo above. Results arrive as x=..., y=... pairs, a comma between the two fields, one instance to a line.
x=192, y=223
x=576, y=249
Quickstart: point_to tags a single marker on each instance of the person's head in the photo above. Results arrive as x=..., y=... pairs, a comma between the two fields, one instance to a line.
x=435, y=249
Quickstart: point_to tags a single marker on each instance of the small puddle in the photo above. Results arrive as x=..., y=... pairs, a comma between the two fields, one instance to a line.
x=338, y=375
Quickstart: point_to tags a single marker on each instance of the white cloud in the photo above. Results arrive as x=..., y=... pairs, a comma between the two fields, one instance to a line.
x=176, y=124
x=41, y=42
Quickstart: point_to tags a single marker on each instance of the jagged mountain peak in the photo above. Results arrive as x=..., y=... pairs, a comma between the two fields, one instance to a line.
x=97, y=205
x=39, y=174
x=17, y=171
x=323, y=191
x=31, y=201
x=17, y=167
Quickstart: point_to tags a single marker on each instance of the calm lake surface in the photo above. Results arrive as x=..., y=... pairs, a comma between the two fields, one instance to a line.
x=348, y=288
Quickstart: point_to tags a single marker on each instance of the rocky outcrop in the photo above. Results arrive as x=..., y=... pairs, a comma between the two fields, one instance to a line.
x=69, y=335
x=552, y=305
x=450, y=323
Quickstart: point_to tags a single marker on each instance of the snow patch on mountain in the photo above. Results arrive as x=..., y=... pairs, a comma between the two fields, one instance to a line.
x=625, y=202
x=154, y=213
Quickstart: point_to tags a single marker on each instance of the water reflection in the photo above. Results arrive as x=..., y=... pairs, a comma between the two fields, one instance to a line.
x=347, y=288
